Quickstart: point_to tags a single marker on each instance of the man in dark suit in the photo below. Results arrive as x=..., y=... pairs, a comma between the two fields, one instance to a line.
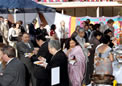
x=39, y=72
x=59, y=59
x=87, y=33
x=14, y=72
x=43, y=50
x=25, y=49
x=32, y=31
x=41, y=30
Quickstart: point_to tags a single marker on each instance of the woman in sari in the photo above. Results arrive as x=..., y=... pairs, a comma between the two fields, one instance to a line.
x=103, y=57
x=76, y=66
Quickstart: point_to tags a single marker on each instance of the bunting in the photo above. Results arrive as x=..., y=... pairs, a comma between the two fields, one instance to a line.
x=74, y=21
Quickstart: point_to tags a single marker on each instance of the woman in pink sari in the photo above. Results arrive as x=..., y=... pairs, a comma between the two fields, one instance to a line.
x=76, y=66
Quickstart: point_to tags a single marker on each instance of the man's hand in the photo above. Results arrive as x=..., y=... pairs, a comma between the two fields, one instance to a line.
x=44, y=65
x=35, y=51
x=30, y=55
x=41, y=59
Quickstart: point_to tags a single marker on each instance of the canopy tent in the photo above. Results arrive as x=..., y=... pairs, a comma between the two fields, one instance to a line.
x=25, y=10
x=23, y=6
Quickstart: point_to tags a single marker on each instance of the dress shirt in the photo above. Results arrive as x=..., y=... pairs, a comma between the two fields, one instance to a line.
x=10, y=60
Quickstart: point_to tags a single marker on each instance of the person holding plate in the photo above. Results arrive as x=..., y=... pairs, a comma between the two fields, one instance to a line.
x=76, y=65
x=25, y=49
x=59, y=59
x=43, y=55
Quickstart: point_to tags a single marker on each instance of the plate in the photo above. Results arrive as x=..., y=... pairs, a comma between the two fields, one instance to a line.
x=89, y=46
x=72, y=61
x=28, y=54
x=119, y=60
x=38, y=62
x=119, y=51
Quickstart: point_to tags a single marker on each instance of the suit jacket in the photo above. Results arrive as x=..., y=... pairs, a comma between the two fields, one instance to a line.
x=32, y=30
x=22, y=48
x=39, y=71
x=87, y=34
x=44, y=52
x=41, y=31
x=22, y=29
x=59, y=60
x=14, y=74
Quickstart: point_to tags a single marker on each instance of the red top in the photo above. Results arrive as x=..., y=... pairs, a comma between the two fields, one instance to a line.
x=52, y=32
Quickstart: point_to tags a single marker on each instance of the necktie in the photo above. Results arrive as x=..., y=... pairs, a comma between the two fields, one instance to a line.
x=28, y=45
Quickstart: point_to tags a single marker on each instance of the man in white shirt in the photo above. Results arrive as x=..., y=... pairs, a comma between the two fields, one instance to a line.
x=64, y=33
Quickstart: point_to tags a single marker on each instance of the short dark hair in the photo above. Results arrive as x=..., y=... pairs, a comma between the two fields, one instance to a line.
x=106, y=39
x=20, y=22
x=1, y=17
x=107, y=31
x=96, y=26
x=40, y=37
x=25, y=33
x=110, y=21
x=53, y=27
x=13, y=25
x=88, y=20
x=34, y=21
x=97, y=33
x=9, y=50
x=91, y=25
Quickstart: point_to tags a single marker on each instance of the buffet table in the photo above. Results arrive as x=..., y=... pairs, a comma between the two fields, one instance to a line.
x=117, y=71
x=117, y=64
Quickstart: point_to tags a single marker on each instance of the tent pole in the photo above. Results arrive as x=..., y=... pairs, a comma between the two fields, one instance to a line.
x=98, y=12
x=15, y=18
x=62, y=11
x=24, y=20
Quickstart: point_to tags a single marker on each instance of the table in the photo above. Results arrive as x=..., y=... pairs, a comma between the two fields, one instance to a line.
x=117, y=71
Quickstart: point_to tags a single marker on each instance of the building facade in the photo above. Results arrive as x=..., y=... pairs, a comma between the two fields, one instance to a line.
x=93, y=8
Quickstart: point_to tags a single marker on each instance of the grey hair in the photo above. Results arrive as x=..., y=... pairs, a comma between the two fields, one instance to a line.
x=81, y=29
x=10, y=51
x=54, y=44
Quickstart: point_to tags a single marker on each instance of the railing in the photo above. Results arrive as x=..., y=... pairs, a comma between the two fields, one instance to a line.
x=75, y=0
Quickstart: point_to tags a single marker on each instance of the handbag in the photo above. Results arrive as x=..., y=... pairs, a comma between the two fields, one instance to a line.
x=11, y=38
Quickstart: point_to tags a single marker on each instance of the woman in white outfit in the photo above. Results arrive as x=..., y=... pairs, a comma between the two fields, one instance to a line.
x=14, y=32
x=11, y=43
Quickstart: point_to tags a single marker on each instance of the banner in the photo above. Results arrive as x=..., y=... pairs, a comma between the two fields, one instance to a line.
x=71, y=22
x=78, y=21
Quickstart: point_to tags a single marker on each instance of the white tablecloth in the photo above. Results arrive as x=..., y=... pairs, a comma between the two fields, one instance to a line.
x=117, y=72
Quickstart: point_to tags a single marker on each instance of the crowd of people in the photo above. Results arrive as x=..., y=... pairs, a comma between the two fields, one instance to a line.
x=86, y=52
